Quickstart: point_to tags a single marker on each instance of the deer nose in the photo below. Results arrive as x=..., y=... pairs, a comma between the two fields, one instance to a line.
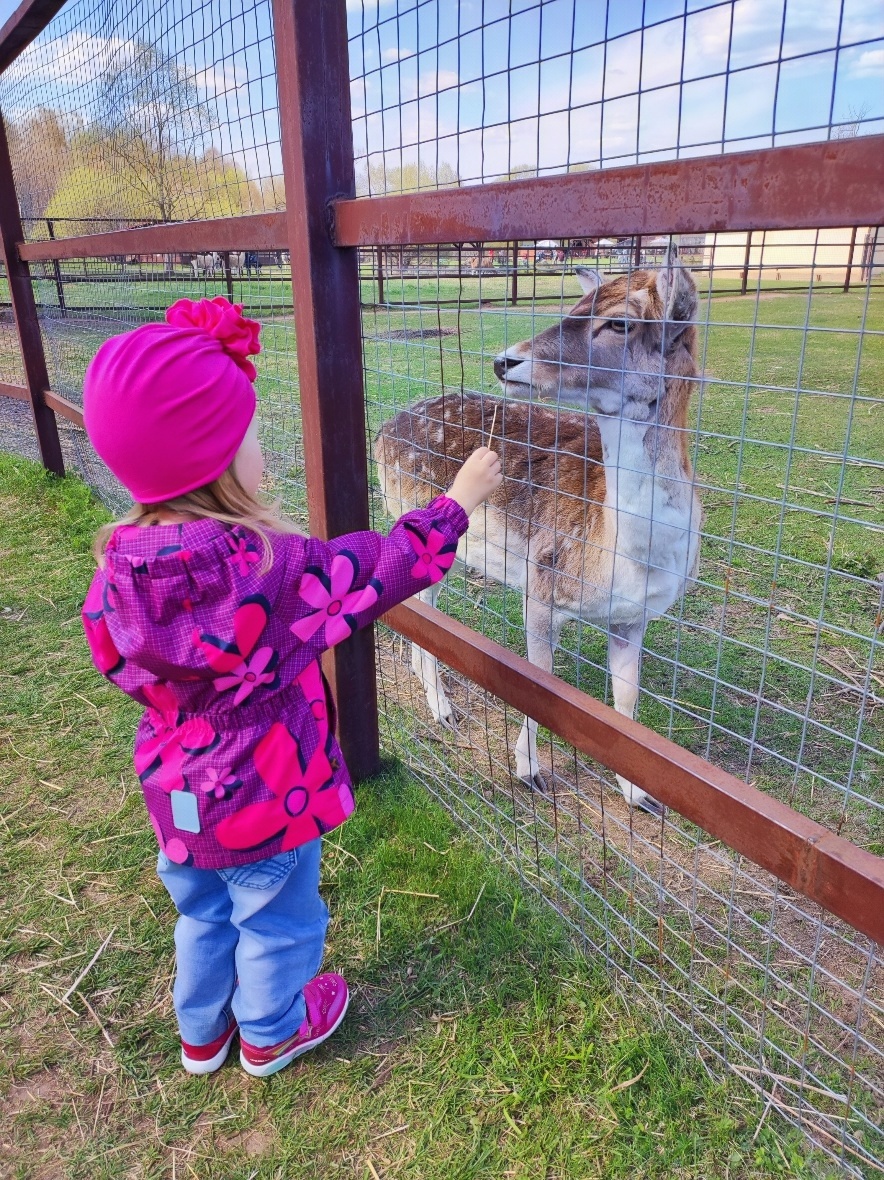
x=502, y=362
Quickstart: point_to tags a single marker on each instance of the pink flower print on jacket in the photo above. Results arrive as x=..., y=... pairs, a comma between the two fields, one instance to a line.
x=220, y=783
x=243, y=553
x=334, y=601
x=312, y=686
x=175, y=739
x=104, y=652
x=260, y=669
x=175, y=848
x=232, y=659
x=278, y=761
x=435, y=556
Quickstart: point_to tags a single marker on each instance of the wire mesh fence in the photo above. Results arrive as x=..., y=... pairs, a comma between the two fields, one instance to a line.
x=457, y=93
x=771, y=663
x=771, y=666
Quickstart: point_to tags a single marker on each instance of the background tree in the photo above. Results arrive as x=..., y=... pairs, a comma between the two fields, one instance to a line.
x=853, y=126
x=155, y=127
x=40, y=154
x=378, y=179
x=272, y=190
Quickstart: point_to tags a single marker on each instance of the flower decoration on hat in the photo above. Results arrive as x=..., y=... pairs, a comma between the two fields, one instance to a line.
x=223, y=320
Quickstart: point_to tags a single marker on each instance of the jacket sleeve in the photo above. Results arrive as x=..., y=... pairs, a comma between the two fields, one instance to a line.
x=98, y=603
x=336, y=587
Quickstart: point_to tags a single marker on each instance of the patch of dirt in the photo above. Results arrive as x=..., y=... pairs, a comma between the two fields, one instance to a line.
x=31, y=1091
x=414, y=334
x=255, y=1142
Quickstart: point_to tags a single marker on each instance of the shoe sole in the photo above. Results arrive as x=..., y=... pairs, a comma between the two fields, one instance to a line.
x=271, y=1067
x=212, y=1063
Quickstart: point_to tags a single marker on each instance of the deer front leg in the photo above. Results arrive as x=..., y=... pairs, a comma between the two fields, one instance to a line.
x=624, y=658
x=426, y=668
x=543, y=625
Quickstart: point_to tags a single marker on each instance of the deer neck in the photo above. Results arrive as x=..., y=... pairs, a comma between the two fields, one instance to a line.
x=647, y=470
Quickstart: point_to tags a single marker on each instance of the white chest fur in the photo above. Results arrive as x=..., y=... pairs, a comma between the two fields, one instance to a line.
x=652, y=521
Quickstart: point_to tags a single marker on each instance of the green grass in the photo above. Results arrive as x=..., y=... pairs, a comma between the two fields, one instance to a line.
x=480, y=1042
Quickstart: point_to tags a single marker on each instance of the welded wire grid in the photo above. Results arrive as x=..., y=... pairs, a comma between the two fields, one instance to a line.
x=772, y=665
x=128, y=113
x=505, y=89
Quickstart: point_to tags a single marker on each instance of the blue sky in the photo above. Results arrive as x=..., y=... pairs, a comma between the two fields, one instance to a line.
x=541, y=86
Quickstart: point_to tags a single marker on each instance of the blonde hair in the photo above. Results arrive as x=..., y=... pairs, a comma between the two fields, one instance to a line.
x=223, y=499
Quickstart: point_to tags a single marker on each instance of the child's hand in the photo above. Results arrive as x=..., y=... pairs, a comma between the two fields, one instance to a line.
x=477, y=479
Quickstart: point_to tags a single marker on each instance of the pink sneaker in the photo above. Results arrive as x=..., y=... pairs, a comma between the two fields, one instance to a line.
x=208, y=1058
x=327, y=999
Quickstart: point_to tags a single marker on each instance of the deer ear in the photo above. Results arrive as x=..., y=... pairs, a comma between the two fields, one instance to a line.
x=589, y=280
x=676, y=288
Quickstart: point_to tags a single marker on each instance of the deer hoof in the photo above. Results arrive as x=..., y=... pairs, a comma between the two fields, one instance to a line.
x=650, y=805
x=536, y=782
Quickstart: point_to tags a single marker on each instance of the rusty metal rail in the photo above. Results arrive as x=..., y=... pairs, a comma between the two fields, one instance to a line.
x=807, y=187
x=837, y=183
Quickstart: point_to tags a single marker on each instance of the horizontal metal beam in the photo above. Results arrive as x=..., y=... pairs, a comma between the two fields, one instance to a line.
x=62, y=406
x=55, y=401
x=19, y=392
x=24, y=26
x=846, y=880
x=811, y=186
x=252, y=231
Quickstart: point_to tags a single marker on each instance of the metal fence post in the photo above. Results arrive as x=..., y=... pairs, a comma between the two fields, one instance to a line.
x=56, y=268
x=850, y=259
x=21, y=296
x=744, y=280
x=228, y=273
x=317, y=153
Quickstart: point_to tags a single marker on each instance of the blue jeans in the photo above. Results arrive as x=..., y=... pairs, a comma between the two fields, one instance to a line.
x=247, y=941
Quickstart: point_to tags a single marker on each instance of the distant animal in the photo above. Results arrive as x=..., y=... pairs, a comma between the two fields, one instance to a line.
x=205, y=264
x=597, y=517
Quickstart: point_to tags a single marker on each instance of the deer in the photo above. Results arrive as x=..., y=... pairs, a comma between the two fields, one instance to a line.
x=597, y=518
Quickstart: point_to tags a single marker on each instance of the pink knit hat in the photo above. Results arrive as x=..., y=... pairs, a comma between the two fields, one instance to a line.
x=168, y=405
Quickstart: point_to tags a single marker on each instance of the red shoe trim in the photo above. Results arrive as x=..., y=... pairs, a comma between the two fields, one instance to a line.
x=206, y=1052
x=262, y=1054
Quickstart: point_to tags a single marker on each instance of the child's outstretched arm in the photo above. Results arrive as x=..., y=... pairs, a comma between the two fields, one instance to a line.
x=339, y=586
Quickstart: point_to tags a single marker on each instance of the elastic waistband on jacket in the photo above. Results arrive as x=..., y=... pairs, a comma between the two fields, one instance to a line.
x=271, y=708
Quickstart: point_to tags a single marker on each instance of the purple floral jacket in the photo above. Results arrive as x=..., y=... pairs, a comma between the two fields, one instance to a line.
x=236, y=750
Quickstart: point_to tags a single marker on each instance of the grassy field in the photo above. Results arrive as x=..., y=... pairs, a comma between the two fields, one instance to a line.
x=481, y=1043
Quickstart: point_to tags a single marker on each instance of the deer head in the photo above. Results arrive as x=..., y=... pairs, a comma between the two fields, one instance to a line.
x=613, y=351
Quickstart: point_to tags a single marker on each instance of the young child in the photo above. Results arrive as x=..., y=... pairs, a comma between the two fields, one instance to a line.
x=212, y=611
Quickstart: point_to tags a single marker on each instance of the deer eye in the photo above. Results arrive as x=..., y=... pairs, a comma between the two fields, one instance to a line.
x=618, y=326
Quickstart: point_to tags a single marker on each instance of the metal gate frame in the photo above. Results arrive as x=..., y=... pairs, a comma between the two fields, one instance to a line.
x=834, y=183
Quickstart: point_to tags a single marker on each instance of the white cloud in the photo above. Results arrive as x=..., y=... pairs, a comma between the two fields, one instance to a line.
x=220, y=80
x=73, y=59
x=396, y=54
x=869, y=64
